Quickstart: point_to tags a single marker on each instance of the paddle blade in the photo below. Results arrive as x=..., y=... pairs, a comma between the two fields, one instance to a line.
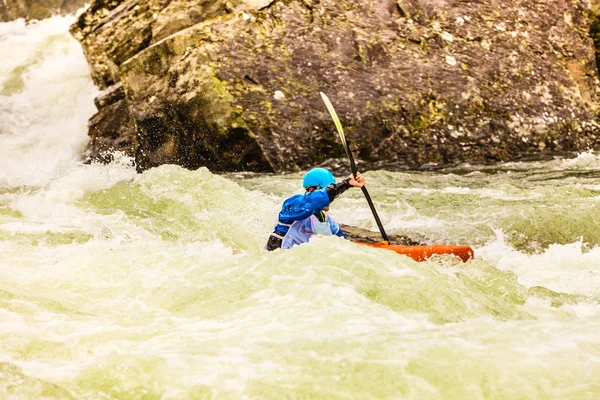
x=336, y=121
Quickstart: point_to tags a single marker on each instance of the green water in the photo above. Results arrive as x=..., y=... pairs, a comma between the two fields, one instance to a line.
x=117, y=285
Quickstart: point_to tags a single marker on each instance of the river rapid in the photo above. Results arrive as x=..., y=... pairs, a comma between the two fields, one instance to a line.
x=117, y=285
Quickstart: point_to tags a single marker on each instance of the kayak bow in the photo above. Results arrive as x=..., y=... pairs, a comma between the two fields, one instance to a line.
x=422, y=253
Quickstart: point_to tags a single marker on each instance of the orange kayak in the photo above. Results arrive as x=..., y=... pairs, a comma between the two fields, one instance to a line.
x=422, y=253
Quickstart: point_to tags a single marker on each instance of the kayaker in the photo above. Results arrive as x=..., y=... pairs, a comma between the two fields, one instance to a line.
x=303, y=215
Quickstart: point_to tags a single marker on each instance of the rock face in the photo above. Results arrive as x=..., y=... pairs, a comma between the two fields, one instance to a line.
x=37, y=9
x=235, y=85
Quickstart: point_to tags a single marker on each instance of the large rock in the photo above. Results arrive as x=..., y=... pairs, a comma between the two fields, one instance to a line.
x=236, y=85
x=114, y=31
x=37, y=9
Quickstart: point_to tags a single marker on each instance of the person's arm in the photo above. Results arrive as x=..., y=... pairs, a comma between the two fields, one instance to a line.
x=335, y=228
x=335, y=189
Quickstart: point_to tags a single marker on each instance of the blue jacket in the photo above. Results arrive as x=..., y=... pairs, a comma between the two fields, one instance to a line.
x=299, y=207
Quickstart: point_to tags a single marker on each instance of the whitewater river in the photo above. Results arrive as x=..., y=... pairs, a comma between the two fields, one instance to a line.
x=117, y=285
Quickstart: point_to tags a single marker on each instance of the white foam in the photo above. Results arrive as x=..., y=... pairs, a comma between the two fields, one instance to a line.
x=585, y=160
x=565, y=268
x=46, y=98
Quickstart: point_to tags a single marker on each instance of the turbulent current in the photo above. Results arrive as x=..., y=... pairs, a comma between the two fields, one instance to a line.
x=117, y=285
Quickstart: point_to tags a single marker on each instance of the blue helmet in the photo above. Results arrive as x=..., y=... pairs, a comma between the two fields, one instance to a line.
x=318, y=177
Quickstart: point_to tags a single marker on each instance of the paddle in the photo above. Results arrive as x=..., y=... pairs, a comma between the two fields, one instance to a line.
x=340, y=130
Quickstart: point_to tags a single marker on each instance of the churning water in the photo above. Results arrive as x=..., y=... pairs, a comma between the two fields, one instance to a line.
x=117, y=285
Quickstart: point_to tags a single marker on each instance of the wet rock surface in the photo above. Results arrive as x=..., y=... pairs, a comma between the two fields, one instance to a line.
x=235, y=85
x=37, y=9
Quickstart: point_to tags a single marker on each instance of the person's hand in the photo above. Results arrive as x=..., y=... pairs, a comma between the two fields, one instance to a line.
x=359, y=181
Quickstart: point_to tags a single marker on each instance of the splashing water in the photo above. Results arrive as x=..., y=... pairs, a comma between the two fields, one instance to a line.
x=45, y=100
x=117, y=285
